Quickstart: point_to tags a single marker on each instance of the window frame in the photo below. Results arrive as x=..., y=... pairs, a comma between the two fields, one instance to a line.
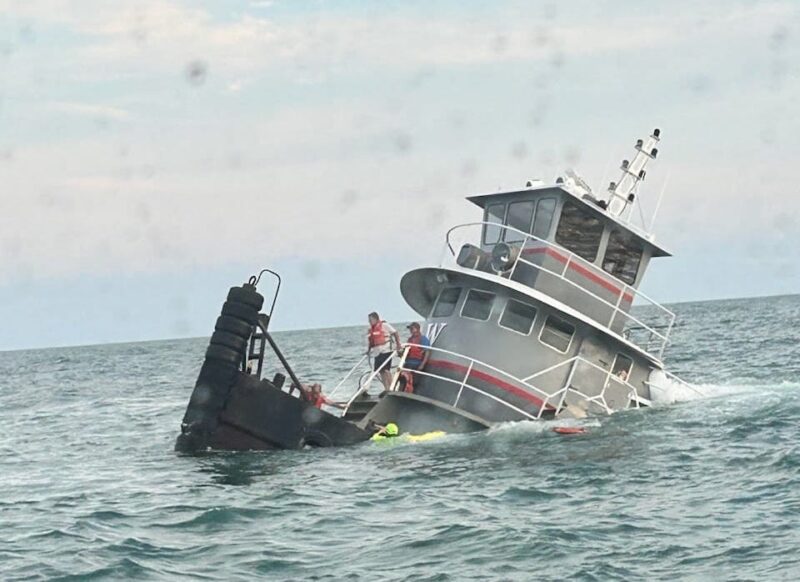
x=499, y=225
x=623, y=243
x=545, y=236
x=533, y=321
x=507, y=222
x=585, y=215
x=614, y=365
x=466, y=299
x=439, y=296
x=571, y=338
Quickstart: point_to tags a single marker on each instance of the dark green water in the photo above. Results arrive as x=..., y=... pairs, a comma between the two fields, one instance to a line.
x=705, y=488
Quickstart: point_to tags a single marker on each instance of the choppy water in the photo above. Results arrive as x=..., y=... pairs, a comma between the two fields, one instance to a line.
x=90, y=487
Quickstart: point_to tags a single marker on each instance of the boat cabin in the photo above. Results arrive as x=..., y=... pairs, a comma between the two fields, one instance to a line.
x=567, y=246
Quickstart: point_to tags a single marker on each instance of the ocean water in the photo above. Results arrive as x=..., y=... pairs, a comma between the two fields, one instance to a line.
x=708, y=486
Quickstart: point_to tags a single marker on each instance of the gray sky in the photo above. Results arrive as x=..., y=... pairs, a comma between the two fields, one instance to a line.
x=152, y=153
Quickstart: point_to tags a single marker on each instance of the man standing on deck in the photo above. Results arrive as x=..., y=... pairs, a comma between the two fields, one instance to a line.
x=379, y=339
x=418, y=355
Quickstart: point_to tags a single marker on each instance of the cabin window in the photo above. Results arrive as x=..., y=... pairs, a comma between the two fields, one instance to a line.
x=544, y=217
x=520, y=216
x=446, y=303
x=478, y=305
x=623, y=256
x=495, y=215
x=557, y=333
x=622, y=367
x=518, y=317
x=579, y=231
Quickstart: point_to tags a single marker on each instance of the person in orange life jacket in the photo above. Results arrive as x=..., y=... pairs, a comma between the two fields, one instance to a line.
x=313, y=394
x=318, y=398
x=417, y=356
x=379, y=346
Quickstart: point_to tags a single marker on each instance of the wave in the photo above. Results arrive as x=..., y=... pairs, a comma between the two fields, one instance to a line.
x=666, y=389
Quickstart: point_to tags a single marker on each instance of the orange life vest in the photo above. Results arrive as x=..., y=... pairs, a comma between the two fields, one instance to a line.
x=415, y=351
x=377, y=337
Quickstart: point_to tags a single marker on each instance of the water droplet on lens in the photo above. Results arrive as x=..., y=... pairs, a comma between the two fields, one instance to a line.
x=196, y=73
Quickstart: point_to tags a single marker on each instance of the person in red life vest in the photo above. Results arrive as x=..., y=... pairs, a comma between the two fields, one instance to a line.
x=314, y=396
x=318, y=398
x=379, y=346
x=417, y=356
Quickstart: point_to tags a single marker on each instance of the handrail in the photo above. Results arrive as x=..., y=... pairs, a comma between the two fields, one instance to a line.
x=624, y=290
x=365, y=387
x=464, y=384
x=582, y=360
x=347, y=376
x=485, y=365
x=548, y=399
x=616, y=308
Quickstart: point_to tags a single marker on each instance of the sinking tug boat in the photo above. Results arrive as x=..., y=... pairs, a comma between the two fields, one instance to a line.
x=530, y=316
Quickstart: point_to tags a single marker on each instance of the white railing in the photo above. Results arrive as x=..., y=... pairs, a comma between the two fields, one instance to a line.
x=347, y=376
x=550, y=401
x=364, y=387
x=666, y=317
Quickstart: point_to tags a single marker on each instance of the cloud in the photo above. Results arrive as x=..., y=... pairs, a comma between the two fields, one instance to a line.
x=201, y=175
x=169, y=33
x=89, y=110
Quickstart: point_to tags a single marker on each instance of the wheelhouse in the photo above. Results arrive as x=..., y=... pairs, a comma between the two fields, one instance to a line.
x=569, y=247
x=577, y=224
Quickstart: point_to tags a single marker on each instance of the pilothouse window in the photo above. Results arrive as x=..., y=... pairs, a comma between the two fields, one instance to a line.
x=446, y=303
x=495, y=214
x=623, y=256
x=520, y=216
x=478, y=305
x=557, y=333
x=579, y=231
x=544, y=217
x=518, y=317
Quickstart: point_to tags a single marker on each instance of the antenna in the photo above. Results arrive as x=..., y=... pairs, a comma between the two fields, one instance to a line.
x=622, y=193
x=658, y=204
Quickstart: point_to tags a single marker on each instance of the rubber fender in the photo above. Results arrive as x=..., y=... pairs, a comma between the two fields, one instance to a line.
x=316, y=438
x=234, y=326
x=246, y=294
x=209, y=395
x=229, y=340
x=241, y=311
x=218, y=372
x=223, y=354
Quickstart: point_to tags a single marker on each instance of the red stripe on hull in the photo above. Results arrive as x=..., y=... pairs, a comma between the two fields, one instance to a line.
x=580, y=269
x=488, y=378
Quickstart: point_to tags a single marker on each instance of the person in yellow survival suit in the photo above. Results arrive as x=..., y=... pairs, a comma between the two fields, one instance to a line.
x=391, y=430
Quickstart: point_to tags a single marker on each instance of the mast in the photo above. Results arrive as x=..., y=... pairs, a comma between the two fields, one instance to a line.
x=621, y=194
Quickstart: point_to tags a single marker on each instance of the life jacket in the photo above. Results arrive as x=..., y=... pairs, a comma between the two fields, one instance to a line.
x=377, y=337
x=415, y=351
x=318, y=400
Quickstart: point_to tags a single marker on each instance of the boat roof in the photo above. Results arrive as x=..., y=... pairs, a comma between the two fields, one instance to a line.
x=482, y=200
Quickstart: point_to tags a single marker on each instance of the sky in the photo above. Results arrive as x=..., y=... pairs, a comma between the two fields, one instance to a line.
x=155, y=152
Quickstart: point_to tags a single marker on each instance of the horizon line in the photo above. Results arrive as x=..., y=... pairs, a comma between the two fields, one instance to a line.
x=328, y=327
